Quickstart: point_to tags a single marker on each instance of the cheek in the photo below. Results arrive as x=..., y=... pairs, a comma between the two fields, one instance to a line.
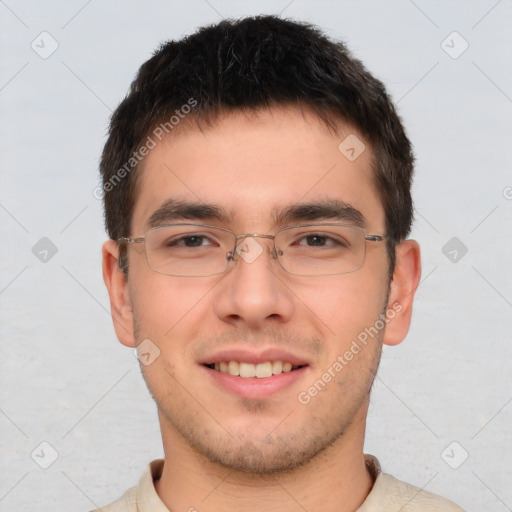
x=347, y=304
x=163, y=306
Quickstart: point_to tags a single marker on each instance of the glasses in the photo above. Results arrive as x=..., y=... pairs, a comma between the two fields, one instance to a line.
x=199, y=250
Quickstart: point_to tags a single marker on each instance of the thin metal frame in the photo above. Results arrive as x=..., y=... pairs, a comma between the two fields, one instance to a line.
x=231, y=255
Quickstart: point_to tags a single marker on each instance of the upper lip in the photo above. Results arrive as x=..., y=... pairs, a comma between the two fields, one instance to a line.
x=255, y=356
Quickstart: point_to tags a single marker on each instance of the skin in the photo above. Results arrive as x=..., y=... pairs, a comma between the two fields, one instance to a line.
x=224, y=452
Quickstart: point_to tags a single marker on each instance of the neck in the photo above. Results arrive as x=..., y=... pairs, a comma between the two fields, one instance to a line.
x=334, y=480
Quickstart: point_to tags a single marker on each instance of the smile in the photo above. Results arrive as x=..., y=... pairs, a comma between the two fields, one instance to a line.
x=250, y=370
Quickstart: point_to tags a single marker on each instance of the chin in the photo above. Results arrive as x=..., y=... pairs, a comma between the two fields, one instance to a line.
x=249, y=458
x=250, y=453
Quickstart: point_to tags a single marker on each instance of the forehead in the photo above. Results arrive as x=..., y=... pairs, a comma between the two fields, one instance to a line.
x=254, y=165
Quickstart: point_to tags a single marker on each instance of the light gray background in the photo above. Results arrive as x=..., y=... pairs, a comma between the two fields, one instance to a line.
x=67, y=381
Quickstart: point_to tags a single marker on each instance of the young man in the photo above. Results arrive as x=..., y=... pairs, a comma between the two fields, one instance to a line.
x=257, y=195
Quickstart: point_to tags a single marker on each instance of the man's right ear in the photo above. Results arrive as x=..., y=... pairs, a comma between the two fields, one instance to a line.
x=117, y=286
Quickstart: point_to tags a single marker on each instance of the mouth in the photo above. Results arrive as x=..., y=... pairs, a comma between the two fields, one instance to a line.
x=256, y=376
x=247, y=370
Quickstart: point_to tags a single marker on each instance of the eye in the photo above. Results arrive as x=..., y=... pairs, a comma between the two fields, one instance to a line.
x=193, y=240
x=315, y=240
x=321, y=240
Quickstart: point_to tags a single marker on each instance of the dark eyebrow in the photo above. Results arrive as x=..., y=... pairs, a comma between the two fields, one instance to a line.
x=329, y=209
x=176, y=210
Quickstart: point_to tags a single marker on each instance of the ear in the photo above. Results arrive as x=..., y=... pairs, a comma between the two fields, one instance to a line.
x=117, y=286
x=405, y=281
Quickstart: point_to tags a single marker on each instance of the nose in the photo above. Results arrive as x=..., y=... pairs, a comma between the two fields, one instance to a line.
x=253, y=292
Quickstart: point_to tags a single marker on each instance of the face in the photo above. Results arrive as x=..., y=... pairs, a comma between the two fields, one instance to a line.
x=253, y=167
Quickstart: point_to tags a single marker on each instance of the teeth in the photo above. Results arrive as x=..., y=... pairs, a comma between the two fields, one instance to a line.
x=263, y=370
x=277, y=367
x=249, y=370
x=233, y=368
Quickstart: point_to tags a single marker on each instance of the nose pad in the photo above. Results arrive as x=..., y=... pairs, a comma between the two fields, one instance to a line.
x=274, y=252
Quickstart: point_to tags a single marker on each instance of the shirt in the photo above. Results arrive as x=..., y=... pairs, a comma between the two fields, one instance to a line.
x=388, y=494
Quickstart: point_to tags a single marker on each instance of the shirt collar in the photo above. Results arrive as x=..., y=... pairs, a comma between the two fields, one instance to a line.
x=149, y=501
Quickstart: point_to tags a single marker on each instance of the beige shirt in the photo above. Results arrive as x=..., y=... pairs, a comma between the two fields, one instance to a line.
x=387, y=495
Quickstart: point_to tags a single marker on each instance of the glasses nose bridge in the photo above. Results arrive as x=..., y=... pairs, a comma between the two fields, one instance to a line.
x=257, y=235
x=254, y=235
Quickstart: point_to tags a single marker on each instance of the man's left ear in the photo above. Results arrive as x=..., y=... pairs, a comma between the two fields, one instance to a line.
x=405, y=281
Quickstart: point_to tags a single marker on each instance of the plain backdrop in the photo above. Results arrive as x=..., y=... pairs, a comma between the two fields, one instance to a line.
x=441, y=408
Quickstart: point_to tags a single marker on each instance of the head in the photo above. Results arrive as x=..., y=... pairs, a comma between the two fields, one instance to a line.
x=248, y=117
x=245, y=66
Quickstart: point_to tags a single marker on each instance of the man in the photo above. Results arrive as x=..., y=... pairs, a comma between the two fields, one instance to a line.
x=257, y=196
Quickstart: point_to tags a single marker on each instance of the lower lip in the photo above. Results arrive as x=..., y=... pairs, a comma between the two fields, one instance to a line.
x=254, y=388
